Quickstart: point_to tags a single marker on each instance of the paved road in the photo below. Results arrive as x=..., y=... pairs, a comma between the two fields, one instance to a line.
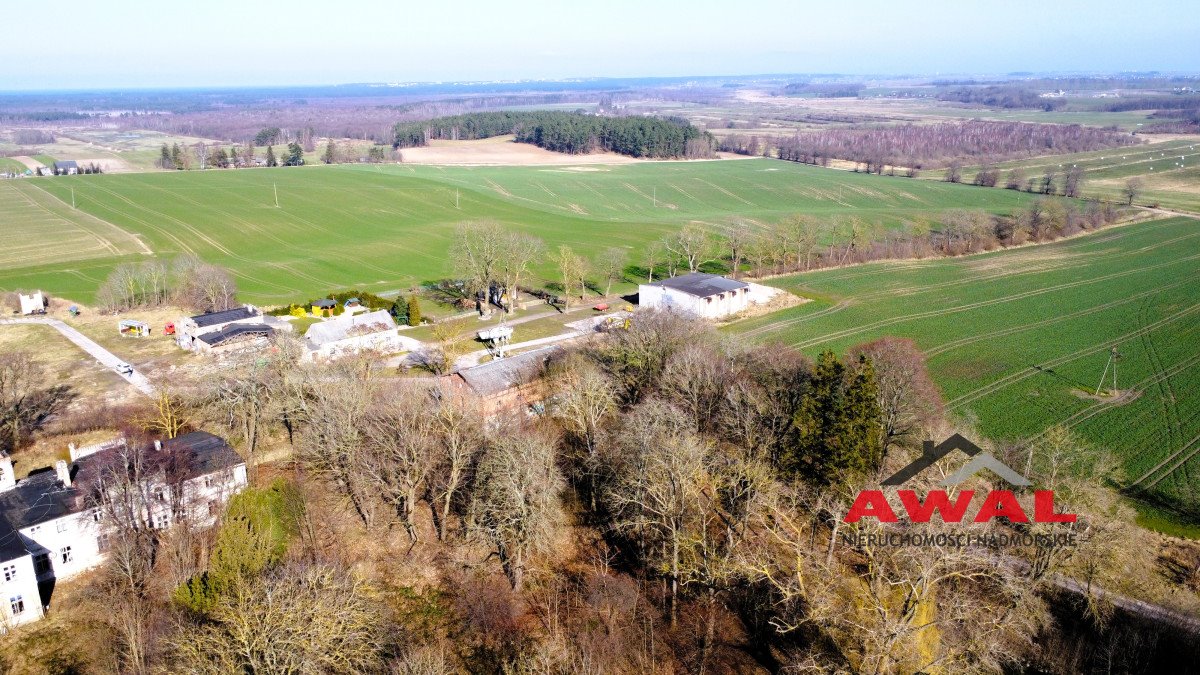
x=105, y=357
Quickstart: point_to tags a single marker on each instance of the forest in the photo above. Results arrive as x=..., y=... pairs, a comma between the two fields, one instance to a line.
x=572, y=133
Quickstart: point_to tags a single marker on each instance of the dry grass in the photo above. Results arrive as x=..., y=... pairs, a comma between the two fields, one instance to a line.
x=65, y=364
x=502, y=151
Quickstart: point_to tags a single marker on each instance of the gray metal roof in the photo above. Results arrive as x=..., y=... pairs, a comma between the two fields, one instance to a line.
x=66, y=164
x=214, y=318
x=349, y=325
x=229, y=332
x=701, y=285
x=496, y=377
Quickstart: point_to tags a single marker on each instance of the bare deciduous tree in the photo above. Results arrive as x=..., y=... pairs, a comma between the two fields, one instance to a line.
x=692, y=244
x=515, y=499
x=297, y=620
x=572, y=271
x=611, y=265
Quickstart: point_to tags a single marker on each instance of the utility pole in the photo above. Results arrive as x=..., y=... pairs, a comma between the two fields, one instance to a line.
x=456, y=198
x=1113, y=357
x=276, y=188
x=72, y=197
x=654, y=196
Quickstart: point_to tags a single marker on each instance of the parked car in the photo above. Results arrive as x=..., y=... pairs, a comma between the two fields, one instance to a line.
x=124, y=369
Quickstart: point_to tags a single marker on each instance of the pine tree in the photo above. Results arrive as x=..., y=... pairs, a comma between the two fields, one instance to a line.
x=165, y=161
x=233, y=156
x=329, y=153
x=414, y=311
x=400, y=311
x=838, y=434
x=176, y=157
x=271, y=157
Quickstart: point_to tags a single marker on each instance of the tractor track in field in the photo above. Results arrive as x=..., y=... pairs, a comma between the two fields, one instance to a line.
x=182, y=224
x=1013, y=378
x=836, y=335
x=1186, y=447
x=1165, y=388
x=972, y=339
x=772, y=327
x=1057, y=267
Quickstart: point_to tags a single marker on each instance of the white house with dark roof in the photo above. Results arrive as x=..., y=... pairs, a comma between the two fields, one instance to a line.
x=235, y=328
x=51, y=527
x=710, y=296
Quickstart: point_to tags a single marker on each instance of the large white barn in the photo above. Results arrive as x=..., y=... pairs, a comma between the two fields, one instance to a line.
x=705, y=295
x=52, y=528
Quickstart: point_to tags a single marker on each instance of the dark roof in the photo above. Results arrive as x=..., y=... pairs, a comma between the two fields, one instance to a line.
x=496, y=377
x=229, y=332
x=701, y=285
x=324, y=302
x=206, y=453
x=11, y=546
x=214, y=318
x=38, y=498
x=66, y=164
x=41, y=497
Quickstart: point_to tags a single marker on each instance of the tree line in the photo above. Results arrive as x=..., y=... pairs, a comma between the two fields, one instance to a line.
x=918, y=146
x=802, y=242
x=573, y=133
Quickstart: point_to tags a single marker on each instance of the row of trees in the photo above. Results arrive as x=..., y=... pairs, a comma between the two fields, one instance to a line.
x=573, y=133
x=486, y=257
x=802, y=242
x=203, y=156
x=1049, y=183
x=186, y=281
x=929, y=145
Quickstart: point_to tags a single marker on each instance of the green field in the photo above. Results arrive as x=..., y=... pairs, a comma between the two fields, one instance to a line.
x=385, y=228
x=1018, y=339
x=1169, y=169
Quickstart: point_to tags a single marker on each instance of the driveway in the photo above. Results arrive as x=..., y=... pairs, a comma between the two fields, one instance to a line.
x=105, y=357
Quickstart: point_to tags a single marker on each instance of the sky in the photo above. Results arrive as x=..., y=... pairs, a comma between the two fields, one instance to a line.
x=204, y=43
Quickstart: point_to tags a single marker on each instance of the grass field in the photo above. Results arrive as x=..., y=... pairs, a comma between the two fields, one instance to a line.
x=384, y=228
x=1017, y=339
x=1170, y=170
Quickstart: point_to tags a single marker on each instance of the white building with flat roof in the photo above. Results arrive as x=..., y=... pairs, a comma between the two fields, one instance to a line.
x=710, y=296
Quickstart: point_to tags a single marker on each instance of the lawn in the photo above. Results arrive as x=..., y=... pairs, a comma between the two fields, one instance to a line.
x=1017, y=339
x=384, y=228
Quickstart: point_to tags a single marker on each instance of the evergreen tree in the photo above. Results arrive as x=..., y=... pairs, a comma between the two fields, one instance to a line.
x=233, y=156
x=176, y=156
x=271, y=157
x=329, y=153
x=414, y=311
x=295, y=156
x=400, y=311
x=838, y=431
x=165, y=160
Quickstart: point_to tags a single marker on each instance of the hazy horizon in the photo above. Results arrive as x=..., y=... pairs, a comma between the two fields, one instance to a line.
x=79, y=45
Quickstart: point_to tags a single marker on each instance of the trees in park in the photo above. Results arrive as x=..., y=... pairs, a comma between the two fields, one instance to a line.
x=271, y=161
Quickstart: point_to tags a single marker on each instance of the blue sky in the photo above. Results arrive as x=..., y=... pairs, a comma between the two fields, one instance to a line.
x=144, y=43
